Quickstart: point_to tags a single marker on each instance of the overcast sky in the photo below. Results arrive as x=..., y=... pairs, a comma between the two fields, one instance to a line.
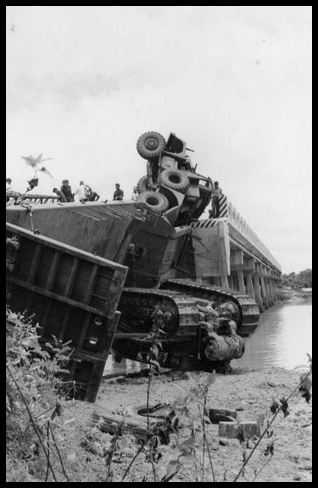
x=83, y=83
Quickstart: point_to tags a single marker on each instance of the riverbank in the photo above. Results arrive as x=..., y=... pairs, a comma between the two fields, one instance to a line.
x=249, y=392
x=289, y=294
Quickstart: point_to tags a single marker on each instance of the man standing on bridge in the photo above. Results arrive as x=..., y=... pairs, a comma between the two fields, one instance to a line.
x=118, y=194
x=216, y=195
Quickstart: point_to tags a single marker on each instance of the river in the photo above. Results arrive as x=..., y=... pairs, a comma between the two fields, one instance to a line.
x=283, y=338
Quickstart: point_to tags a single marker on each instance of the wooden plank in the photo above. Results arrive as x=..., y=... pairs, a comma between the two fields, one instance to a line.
x=83, y=332
x=71, y=279
x=34, y=263
x=106, y=421
x=65, y=248
x=53, y=270
x=90, y=285
x=50, y=294
x=115, y=290
x=45, y=318
x=65, y=323
x=109, y=334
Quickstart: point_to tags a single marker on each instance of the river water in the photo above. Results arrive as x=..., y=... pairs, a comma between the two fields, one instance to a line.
x=283, y=338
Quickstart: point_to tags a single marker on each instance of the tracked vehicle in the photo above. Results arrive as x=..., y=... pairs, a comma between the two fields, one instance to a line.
x=152, y=238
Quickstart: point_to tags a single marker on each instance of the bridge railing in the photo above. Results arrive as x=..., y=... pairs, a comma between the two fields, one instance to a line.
x=235, y=219
x=15, y=198
x=229, y=214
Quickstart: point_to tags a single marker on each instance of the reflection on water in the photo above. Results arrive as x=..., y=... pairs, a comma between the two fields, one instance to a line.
x=283, y=338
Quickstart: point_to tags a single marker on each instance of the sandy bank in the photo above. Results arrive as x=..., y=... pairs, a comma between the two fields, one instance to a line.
x=249, y=392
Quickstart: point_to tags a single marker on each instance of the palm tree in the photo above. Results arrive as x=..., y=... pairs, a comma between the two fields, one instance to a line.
x=35, y=163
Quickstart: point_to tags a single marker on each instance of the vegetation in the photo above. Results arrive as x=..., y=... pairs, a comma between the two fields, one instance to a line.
x=46, y=443
x=296, y=281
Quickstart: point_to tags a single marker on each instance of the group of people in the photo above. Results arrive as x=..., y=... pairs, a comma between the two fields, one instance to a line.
x=84, y=193
x=119, y=194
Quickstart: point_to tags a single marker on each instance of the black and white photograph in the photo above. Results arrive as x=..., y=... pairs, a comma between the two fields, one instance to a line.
x=159, y=244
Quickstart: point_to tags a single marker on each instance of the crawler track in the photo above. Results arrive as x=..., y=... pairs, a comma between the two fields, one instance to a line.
x=177, y=301
x=247, y=311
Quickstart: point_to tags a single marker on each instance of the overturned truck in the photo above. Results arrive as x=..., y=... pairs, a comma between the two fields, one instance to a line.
x=152, y=240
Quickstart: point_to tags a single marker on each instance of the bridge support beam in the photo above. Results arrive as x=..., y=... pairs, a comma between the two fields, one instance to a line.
x=249, y=284
x=271, y=286
x=262, y=285
x=269, y=292
x=265, y=280
x=257, y=292
x=237, y=267
x=272, y=289
x=231, y=282
x=249, y=275
x=240, y=279
x=224, y=281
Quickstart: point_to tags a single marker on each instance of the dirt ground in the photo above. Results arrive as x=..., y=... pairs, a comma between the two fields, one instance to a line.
x=251, y=393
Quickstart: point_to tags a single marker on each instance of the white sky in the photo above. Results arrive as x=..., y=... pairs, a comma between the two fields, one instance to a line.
x=83, y=83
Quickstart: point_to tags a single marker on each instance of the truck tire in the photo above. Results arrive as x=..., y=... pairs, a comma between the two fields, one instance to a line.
x=174, y=179
x=143, y=184
x=150, y=145
x=155, y=201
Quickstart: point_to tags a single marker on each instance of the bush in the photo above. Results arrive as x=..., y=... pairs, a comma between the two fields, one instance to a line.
x=32, y=393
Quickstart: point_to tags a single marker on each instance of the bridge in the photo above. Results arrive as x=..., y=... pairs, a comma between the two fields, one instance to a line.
x=229, y=253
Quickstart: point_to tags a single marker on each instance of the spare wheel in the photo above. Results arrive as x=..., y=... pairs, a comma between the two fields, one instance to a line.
x=150, y=145
x=174, y=179
x=155, y=201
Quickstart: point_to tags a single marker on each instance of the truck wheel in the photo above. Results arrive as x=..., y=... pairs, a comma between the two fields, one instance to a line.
x=143, y=184
x=155, y=201
x=150, y=145
x=174, y=179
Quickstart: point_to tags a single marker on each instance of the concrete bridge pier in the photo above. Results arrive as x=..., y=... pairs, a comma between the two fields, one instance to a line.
x=249, y=284
x=236, y=257
x=263, y=286
x=273, y=284
x=241, y=282
x=270, y=282
x=237, y=270
x=268, y=285
x=270, y=298
x=258, y=290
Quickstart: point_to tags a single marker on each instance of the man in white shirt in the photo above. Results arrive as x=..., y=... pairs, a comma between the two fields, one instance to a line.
x=81, y=192
x=134, y=195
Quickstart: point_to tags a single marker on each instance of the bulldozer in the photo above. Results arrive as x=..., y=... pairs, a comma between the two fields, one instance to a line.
x=198, y=325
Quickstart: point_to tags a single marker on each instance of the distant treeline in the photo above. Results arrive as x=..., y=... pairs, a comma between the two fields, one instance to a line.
x=303, y=279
